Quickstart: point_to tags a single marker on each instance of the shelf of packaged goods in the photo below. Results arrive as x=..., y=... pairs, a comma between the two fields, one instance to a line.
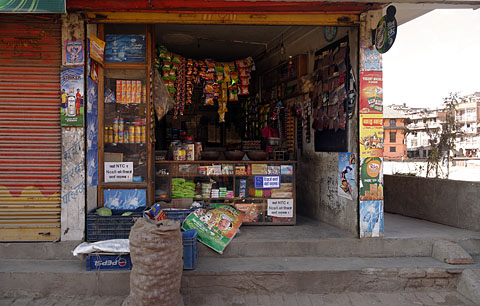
x=118, y=144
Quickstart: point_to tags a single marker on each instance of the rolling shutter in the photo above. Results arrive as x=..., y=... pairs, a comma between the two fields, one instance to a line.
x=30, y=133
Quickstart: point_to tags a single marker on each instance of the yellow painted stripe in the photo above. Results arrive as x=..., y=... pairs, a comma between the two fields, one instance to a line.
x=209, y=18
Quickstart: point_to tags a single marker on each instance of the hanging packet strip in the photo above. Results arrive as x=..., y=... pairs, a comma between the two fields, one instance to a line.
x=216, y=227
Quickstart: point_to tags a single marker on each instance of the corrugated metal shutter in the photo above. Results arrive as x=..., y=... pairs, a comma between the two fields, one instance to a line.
x=30, y=133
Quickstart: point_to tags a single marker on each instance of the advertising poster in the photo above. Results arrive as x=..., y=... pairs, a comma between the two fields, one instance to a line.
x=125, y=48
x=74, y=54
x=71, y=93
x=371, y=179
x=124, y=198
x=372, y=60
x=371, y=218
x=97, y=49
x=371, y=92
x=92, y=136
x=216, y=227
x=346, y=175
x=371, y=135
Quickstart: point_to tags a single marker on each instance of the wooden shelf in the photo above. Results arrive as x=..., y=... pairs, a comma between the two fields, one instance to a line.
x=126, y=185
x=240, y=162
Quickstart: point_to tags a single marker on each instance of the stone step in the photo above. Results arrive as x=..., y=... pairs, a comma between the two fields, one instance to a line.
x=424, y=297
x=262, y=275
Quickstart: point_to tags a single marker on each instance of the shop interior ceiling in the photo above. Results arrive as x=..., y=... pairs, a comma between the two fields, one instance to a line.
x=227, y=42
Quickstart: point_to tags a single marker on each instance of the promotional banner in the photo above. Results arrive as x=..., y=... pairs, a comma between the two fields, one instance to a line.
x=371, y=135
x=124, y=198
x=371, y=218
x=371, y=179
x=71, y=107
x=216, y=227
x=92, y=136
x=346, y=175
x=371, y=92
x=125, y=48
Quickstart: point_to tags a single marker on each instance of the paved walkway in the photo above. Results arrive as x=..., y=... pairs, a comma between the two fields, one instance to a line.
x=422, y=298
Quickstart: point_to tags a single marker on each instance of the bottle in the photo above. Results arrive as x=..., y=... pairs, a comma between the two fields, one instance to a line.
x=115, y=125
x=105, y=136
x=121, y=125
x=110, y=135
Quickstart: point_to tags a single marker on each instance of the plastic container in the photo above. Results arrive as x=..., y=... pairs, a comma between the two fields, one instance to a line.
x=189, y=238
x=115, y=226
x=96, y=262
x=178, y=214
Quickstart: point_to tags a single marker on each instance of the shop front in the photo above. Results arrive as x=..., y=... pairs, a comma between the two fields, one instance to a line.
x=254, y=110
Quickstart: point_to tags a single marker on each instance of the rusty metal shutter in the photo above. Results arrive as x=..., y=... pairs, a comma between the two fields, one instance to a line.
x=30, y=133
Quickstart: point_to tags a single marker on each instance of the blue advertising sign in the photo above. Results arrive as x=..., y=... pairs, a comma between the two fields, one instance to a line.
x=125, y=48
x=267, y=182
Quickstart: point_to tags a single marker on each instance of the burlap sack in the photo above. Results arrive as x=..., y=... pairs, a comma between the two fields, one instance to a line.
x=156, y=253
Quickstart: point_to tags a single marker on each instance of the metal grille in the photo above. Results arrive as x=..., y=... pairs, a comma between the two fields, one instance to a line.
x=30, y=133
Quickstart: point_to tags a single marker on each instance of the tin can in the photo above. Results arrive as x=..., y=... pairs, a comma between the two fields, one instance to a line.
x=131, y=133
x=138, y=132
x=143, y=134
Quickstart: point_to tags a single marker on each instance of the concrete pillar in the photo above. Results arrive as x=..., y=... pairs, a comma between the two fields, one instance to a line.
x=73, y=154
x=371, y=131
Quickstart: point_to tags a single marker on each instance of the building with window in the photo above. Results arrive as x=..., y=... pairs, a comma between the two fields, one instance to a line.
x=468, y=120
x=394, y=143
x=422, y=124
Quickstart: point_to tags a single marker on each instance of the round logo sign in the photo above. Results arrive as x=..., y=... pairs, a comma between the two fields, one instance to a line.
x=386, y=31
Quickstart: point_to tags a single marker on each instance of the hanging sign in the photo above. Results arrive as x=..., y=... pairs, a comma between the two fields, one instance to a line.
x=32, y=6
x=267, y=182
x=386, y=31
x=118, y=172
x=282, y=208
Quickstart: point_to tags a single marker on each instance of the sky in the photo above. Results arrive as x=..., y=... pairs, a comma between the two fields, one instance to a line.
x=433, y=55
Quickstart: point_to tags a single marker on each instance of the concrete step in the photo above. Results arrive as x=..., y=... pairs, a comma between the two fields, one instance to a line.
x=230, y=276
x=261, y=246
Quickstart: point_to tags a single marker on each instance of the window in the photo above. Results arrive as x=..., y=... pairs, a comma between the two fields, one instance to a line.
x=393, y=136
x=393, y=122
x=393, y=149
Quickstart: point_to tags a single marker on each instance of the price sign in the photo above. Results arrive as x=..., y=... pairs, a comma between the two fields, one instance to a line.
x=118, y=172
x=267, y=182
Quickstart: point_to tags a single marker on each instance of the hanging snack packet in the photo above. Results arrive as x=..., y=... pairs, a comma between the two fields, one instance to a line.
x=216, y=227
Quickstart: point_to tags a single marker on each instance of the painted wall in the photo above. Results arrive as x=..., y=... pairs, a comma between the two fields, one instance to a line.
x=317, y=172
x=449, y=202
x=399, y=144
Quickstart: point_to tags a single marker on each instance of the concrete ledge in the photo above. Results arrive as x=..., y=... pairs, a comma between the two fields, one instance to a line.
x=233, y=275
x=469, y=285
x=451, y=253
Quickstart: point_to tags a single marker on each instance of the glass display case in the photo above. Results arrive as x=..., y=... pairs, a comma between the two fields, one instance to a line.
x=264, y=190
x=125, y=146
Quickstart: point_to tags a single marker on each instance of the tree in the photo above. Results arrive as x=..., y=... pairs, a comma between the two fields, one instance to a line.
x=442, y=140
